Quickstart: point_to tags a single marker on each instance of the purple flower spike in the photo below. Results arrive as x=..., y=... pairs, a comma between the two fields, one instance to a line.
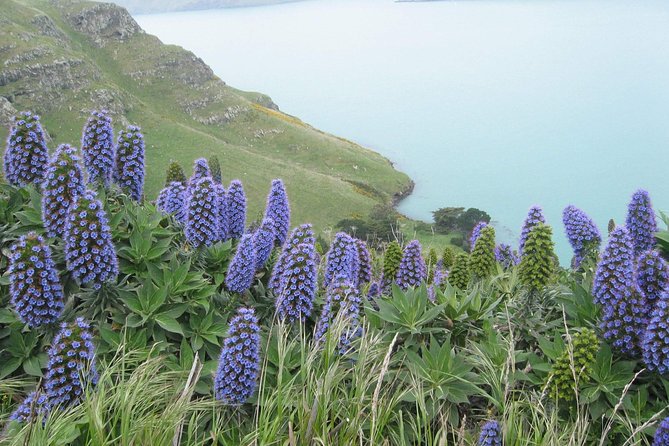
x=236, y=209
x=412, y=267
x=302, y=234
x=582, y=233
x=129, y=172
x=476, y=232
x=239, y=365
x=200, y=170
x=89, y=250
x=35, y=289
x=172, y=200
x=299, y=283
x=641, y=222
x=63, y=183
x=202, y=223
x=242, y=268
x=97, y=145
x=491, y=434
x=26, y=154
x=278, y=210
x=263, y=240
x=534, y=216
x=342, y=259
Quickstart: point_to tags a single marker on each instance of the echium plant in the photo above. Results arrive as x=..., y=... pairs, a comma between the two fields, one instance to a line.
x=26, y=154
x=365, y=263
x=263, y=241
x=448, y=257
x=221, y=211
x=242, y=268
x=302, y=234
x=172, y=200
x=200, y=170
x=655, y=342
x=215, y=168
x=391, y=264
x=175, y=173
x=71, y=364
x=482, y=260
x=582, y=233
x=412, y=269
x=476, y=232
x=534, y=216
x=89, y=250
x=129, y=171
x=239, y=365
x=651, y=276
x=236, y=210
x=35, y=289
x=97, y=145
x=63, y=182
x=342, y=259
x=491, y=434
x=641, y=222
x=431, y=262
x=460, y=273
x=505, y=256
x=573, y=368
x=342, y=300
x=615, y=270
x=538, y=262
x=202, y=220
x=278, y=209
x=661, y=437
x=298, y=284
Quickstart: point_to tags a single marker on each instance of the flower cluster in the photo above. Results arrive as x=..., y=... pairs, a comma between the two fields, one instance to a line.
x=34, y=287
x=89, y=250
x=26, y=154
x=505, y=256
x=482, y=259
x=538, y=261
x=200, y=170
x=34, y=406
x=242, y=268
x=491, y=434
x=476, y=232
x=391, y=265
x=652, y=276
x=298, y=285
x=615, y=270
x=374, y=290
x=460, y=273
x=365, y=263
x=641, y=222
x=236, y=209
x=202, y=220
x=278, y=210
x=175, y=173
x=342, y=301
x=534, y=216
x=239, y=365
x=655, y=342
x=661, y=437
x=172, y=200
x=71, y=364
x=63, y=183
x=342, y=258
x=412, y=267
x=221, y=211
x=263, y=241
x=97, y=145
x=301, y=234
x=129, y=172
x=582, y=234
x=573, y=368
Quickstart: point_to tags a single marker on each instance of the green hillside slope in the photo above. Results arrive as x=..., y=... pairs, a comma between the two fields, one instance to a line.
x=64, y=58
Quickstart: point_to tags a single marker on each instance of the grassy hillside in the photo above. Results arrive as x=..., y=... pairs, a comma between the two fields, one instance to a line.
x=64, y=58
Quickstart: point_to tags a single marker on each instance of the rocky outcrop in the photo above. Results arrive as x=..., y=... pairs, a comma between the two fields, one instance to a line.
x=7, y=111
x=47, y=27
x=104, y=22
x=70, y=74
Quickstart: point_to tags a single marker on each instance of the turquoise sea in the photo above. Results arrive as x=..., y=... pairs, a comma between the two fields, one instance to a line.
x=495, y=104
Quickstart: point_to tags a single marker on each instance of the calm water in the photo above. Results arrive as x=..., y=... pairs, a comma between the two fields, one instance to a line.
x=495, y=104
